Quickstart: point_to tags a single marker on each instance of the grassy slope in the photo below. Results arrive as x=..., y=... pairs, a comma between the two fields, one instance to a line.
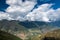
x=7, y=36
x=53, y=35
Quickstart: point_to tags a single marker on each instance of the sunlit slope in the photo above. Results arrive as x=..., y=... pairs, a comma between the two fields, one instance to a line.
x=11, y=26
x=52, y=35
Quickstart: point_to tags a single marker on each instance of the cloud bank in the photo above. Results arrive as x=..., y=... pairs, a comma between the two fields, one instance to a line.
x=19, y=10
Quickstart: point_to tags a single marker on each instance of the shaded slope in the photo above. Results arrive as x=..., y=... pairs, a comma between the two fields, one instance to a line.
x=32, y=24
x=7, y=36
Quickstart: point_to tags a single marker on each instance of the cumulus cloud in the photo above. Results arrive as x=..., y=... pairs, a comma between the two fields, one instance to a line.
x=4, y=16
x=39, y=14
x=20, y=6
x=19, y=10
x=19, y=2
x=44, y=13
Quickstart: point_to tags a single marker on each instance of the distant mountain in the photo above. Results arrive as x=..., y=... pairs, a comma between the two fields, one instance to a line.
x=14, y=26
x=55, y=23
x=43, y=26
x=27, y=28
x=32, y=24
x=11, y=26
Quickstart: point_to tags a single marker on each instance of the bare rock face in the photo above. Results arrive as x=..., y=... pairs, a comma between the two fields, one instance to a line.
x=53, y=35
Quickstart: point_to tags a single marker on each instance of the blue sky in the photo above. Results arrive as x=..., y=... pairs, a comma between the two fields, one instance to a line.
x=32, y=10
x=3, y=4
x=56, y=2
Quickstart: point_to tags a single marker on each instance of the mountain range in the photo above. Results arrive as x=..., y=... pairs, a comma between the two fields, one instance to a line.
x=15, y=25
x=27, y=29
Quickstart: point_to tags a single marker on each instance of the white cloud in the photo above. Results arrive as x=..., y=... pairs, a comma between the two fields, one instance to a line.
x=22, y=7
x=4, y=16
x=44, y=13
x=18, y=5
x=19, y=10
x=18, y=2
x=53, y=15
x=11, y=2
x=7, y=16
x=39, y=14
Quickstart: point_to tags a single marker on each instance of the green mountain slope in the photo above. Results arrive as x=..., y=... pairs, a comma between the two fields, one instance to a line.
x=7, y=36
x=31, y=30
x=11, y=26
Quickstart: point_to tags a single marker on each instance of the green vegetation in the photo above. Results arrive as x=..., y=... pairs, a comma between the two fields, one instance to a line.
x=7, y=36
x=12, y=27
x=27, y=30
